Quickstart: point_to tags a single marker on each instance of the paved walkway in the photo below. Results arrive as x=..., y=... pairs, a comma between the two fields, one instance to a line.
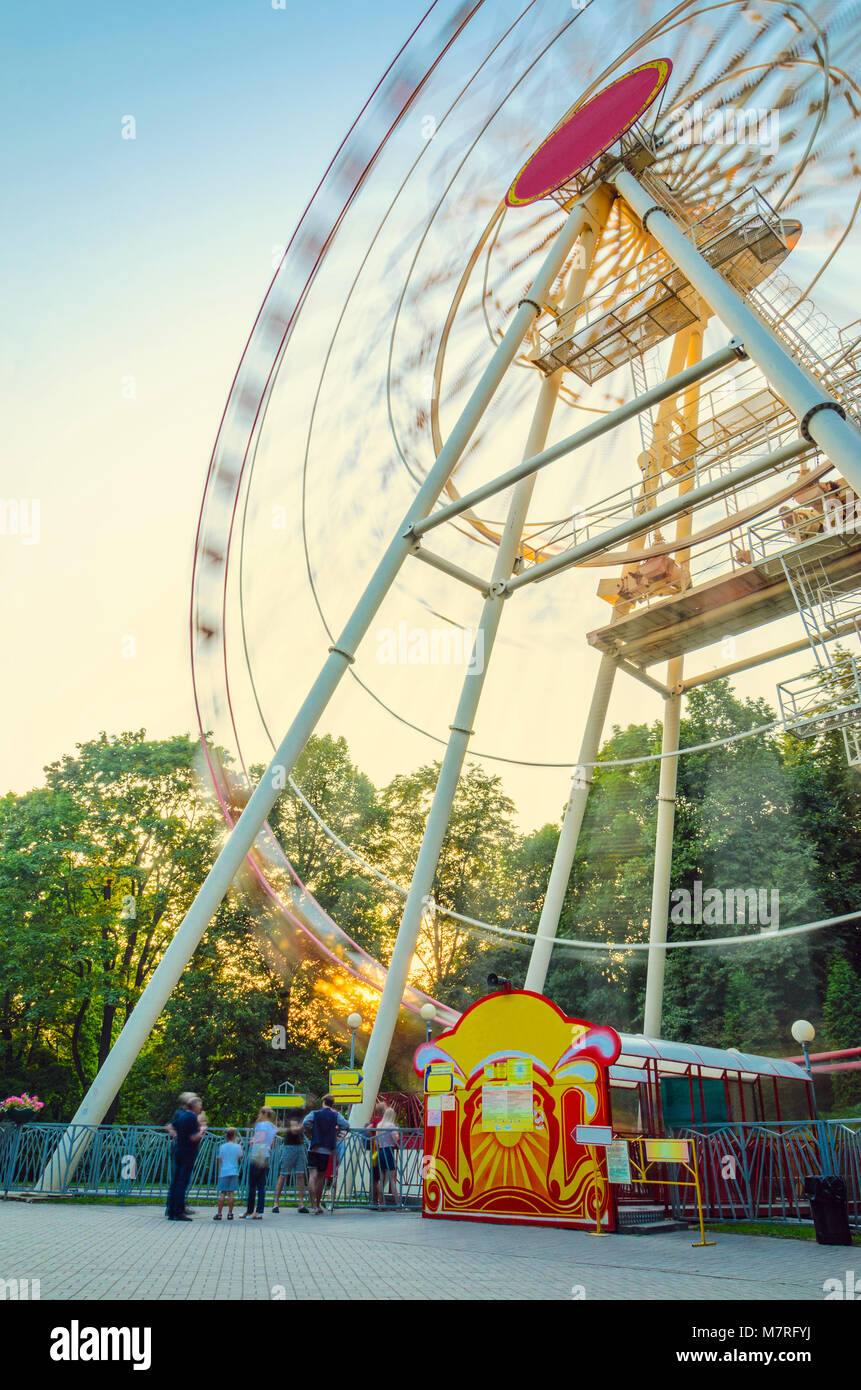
x=113, y=1252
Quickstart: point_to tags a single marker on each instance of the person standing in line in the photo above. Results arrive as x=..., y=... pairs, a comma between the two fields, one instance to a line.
x=229, y=1159
x=258, y=1169
x=388, y=1138
x=292, y=1162
x=324, y=1126
x=370, y=1134
x=186, y=1131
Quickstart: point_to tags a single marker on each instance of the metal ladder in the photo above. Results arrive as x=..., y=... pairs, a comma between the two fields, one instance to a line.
x=830, y=697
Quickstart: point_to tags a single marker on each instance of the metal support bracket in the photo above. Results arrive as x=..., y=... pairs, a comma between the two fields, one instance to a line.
x=656, y=207
x=439, y=562
x=814, y=410
x=339, y=651
x=639, y=674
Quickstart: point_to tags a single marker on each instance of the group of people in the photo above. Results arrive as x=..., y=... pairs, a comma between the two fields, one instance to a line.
x=323, y=1130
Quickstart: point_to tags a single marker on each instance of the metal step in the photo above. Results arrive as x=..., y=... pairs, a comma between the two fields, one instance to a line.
x=653, y=1228
x=646, y=1219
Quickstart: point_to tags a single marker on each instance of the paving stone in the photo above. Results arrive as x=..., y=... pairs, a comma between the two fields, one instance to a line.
x=131, y=1253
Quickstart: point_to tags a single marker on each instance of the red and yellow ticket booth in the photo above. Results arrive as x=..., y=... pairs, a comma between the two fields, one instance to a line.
x=506, y=1089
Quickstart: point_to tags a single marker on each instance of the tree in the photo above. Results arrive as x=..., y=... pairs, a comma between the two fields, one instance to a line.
x=96, y=872
x=739, y=827
x=841, y=1015
x=98, y=867
x=471, y=876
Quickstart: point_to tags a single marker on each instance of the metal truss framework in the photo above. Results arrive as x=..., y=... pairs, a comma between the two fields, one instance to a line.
x=806, y=412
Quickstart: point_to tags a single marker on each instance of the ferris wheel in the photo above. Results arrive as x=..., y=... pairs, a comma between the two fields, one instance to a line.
x=545, y=227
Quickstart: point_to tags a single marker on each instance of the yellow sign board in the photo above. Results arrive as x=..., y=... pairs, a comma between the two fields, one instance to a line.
x=347, y=1085
x=438, y=1083
x=340, y=1079
x=667, y=1151
x=281, y=1102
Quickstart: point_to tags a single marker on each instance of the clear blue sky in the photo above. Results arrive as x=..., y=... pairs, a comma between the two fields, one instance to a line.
x=143, y=259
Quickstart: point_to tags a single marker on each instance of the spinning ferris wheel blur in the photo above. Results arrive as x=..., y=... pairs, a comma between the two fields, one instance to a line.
x=534, y=325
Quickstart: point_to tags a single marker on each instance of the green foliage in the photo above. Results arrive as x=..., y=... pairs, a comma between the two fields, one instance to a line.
x=98, y=867
x=841, y=1015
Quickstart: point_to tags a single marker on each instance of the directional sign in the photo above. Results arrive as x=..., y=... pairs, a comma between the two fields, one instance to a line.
x=344, y=1078
x=667, y=1151
x=438, y=1083
x=281, y=1102
x=599, y=1136
x=347, y=1085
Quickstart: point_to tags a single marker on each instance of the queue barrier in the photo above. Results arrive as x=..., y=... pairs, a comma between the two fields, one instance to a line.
x=763, y=1182
x=133, y=1163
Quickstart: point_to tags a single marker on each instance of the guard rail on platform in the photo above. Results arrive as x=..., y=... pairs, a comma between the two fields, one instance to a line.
x=133, y=1163
x=749, y=1172
x=756, y=1172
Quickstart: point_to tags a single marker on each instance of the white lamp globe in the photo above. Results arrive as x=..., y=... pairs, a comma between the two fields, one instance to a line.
x=354, y=1021
x=428, y=1012
x=802, y=1031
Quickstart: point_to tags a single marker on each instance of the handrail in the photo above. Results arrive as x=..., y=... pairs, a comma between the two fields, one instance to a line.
x=133, y=1162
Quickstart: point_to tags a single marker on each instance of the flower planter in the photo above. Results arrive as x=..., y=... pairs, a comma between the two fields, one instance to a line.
x=17, y=1117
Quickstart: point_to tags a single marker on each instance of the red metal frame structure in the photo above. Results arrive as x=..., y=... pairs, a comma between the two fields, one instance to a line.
x=646, y=1064
x=827, y=1058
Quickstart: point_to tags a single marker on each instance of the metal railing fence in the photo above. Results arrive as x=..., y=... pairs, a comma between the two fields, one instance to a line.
x=134, y=1163
x=756, y=1172
x=749, y=1172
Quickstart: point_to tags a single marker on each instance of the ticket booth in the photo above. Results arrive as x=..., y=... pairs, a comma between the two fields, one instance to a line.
x=512, y=1093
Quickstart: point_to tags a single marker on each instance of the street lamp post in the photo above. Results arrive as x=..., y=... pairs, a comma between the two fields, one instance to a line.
x=428, y=1013
x=804, y=1033
x=354, y=1022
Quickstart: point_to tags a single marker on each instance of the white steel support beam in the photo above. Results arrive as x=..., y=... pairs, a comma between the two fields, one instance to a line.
x=421, y=885
x=663, y=855
x=647, y=521
x=166, y=975
x=439, y=562
x=820, y=416
x=671, y=387
x=640, y=675
x=668, y=776
x=542, y=947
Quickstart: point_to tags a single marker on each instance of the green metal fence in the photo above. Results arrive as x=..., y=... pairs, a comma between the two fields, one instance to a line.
x=133, y=1162
x=749, y=1172
x=756, y=1172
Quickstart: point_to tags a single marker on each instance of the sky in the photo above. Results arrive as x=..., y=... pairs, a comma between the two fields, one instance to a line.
x=134, y=269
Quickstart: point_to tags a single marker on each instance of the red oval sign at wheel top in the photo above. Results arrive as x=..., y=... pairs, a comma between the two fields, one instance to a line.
x=588, y=131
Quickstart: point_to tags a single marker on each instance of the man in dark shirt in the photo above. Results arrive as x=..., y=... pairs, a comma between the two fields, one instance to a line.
x=187, y=1132
x=323, y=1126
